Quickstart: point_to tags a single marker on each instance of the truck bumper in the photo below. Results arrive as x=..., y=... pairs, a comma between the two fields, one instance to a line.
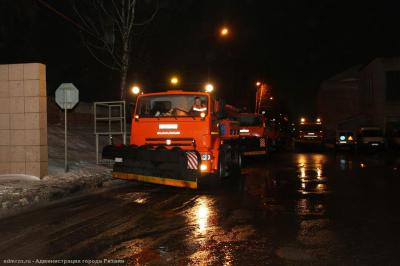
x=253, y=146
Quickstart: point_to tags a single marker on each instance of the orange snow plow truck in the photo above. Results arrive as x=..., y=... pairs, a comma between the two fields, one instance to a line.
x=176, y=138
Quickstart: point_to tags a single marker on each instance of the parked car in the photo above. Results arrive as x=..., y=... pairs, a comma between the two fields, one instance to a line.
x=371, y=137
x=345, y=139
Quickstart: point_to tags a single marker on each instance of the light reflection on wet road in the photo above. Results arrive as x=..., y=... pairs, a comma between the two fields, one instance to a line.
x=296, y=209
x=311, y=176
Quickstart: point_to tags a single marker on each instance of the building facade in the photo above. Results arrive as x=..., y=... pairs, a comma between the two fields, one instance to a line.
x=363, y=95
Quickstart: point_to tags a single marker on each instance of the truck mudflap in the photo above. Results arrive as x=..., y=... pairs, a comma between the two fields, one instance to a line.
x=157, y=165
x=251, y=146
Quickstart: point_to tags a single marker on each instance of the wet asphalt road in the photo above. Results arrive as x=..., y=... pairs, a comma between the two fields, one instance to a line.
x=306, y=208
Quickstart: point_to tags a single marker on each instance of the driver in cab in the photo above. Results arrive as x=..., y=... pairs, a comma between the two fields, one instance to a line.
x=198, y=106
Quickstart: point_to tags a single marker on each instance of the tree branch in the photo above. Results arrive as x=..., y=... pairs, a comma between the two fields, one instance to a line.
x=110, y=30
x=147, y=21
x=98, y=59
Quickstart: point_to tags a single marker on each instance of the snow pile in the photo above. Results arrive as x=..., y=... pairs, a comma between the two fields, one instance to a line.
x=20, y=191
x=17, y=177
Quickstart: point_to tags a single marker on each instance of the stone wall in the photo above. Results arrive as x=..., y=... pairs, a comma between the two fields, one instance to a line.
x=23, y=119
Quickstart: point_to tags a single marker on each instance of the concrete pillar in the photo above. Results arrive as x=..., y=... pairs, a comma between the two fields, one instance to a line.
x=23, y=119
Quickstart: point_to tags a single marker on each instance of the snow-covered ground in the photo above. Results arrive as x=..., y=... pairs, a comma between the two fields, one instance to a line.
x=81, y=148
x=21, y=191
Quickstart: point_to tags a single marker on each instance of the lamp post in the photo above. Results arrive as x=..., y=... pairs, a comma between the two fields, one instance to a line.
x=136, y=90
x=174, y=80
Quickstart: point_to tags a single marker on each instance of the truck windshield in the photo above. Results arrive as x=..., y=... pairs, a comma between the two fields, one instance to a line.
x=250, y=121
x=179, y=105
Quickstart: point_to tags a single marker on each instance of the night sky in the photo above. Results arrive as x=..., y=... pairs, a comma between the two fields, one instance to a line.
x=293, y=45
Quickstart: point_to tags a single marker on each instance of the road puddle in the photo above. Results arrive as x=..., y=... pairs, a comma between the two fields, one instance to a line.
x=310, y=169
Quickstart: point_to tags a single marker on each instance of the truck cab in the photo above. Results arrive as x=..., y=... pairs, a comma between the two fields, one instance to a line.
x=172, y=119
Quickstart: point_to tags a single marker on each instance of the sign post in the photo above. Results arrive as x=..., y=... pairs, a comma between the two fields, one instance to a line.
x=67, y=96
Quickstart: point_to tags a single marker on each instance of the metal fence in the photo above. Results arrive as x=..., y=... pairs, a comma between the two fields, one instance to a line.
x=109, y=121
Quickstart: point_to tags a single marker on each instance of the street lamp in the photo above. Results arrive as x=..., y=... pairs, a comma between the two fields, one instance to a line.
x=174, y=81
x=258, y=83
x=271, y=98
x=135, y=90
x=209, y=87
x=224, y=31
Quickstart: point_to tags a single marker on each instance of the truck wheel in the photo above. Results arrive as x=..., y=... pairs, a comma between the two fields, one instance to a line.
x=236, y=162
x=222, y=165
x=161, y=148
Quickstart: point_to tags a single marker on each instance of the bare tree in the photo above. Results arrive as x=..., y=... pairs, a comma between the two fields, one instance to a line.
x=108, y=29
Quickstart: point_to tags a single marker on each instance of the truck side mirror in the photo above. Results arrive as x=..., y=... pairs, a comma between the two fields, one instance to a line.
x=220, y=115
x=220, y=110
